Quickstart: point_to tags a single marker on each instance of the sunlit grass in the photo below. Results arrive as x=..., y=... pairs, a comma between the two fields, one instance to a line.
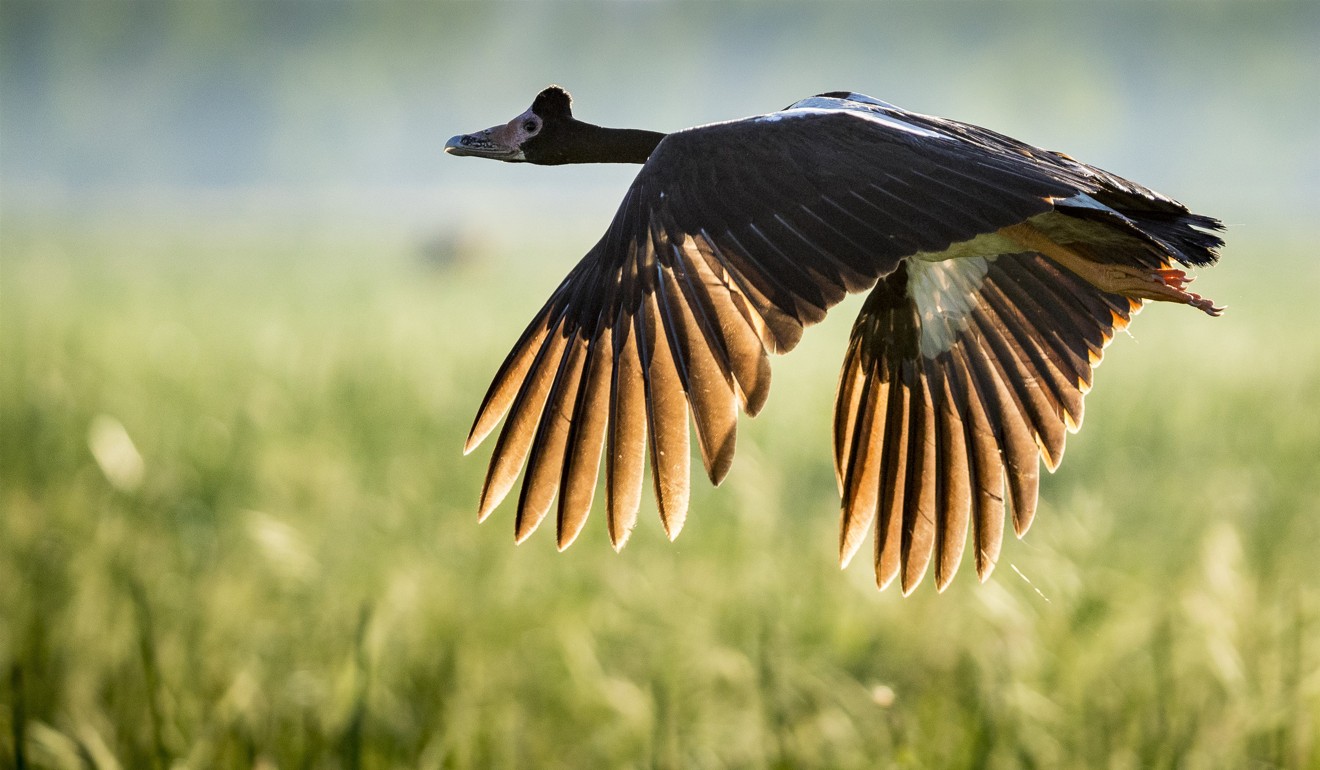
x=238, y=530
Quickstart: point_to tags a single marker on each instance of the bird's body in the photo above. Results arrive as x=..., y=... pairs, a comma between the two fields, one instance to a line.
x=997, y=273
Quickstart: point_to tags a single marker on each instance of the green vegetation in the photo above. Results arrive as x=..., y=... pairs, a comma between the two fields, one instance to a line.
x=237, y=531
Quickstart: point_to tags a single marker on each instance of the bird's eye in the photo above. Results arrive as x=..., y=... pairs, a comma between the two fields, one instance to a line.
x=530, y=126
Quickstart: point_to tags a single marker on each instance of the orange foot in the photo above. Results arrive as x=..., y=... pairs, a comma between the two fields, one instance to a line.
x=1164, y=284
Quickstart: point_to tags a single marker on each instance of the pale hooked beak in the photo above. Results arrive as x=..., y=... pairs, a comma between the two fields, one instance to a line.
x=494, y=143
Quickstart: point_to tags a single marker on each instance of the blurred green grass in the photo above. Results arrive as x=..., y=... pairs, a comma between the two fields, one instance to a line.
x=237, y=531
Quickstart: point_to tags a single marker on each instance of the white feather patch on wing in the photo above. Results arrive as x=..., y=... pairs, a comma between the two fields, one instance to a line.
x=1081, y=201
x=837, y=103
x=817, y=105
x=853, y=96
x=945, y=294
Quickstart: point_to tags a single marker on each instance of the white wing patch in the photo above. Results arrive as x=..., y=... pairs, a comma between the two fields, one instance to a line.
x=945, y=294
x=853, y=96
x=818, y=105
x=1081, y=201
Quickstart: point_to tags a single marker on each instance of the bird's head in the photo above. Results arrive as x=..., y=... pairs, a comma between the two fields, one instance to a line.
x=529, y=138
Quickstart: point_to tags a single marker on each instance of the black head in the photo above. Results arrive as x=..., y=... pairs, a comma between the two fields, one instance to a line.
x=547, y=134
x=535, y=136
x=554, y=103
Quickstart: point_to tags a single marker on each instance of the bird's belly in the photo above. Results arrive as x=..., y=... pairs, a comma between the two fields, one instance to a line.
x=984, y=245
x=1059, y=228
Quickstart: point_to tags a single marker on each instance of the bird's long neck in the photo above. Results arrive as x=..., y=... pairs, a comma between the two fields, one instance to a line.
x=588, y=143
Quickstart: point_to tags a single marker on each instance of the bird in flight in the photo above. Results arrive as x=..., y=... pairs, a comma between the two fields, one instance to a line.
x=997, y=273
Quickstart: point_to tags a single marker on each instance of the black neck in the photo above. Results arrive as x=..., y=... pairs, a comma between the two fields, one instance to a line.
x=580, y=142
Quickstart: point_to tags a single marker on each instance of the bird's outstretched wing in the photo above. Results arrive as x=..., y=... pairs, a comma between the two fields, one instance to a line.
x=937, y=399
x=732, y=238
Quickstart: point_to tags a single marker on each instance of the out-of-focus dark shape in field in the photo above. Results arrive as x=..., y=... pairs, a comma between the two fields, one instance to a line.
x=453, y=249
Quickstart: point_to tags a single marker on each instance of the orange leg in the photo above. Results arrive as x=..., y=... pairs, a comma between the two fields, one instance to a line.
x=1165, y=284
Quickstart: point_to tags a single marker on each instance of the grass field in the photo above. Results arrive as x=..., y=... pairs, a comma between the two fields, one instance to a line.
x=238, y=530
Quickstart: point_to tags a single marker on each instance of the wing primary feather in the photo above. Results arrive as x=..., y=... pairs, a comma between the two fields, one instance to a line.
x=1023, y=381
x=1051, y=323
x=848, y=398
x=921, y=486
x=1032, y=377
x=822, y=287
x=625, y=220
x=864, y=413
x=1053, y=368
x=779, y=331
x=586, y=440
x=1065, y=330
x=1016, y=442
x=545, y=461
x=510, y=376
x=519, y=430
x=1077, y=291
x=954, y=473
x=626, y=434
x=894, y=462
x=667, y=419
x=806, y=305
x=727, y=330
x=669, y=315
x=764, y=288
x=1110, y=311
x=707, y=383
x=693, y=291
x=987, y=467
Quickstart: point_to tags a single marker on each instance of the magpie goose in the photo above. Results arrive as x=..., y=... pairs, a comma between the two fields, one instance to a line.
x=997, y=273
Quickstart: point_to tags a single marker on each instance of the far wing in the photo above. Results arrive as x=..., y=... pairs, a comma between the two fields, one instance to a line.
x=935, y=409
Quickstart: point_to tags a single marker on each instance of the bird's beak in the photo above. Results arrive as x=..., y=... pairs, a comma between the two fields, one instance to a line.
x=496, y=142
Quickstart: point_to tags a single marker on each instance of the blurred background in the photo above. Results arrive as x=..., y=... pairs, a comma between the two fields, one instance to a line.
x=248, y=308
